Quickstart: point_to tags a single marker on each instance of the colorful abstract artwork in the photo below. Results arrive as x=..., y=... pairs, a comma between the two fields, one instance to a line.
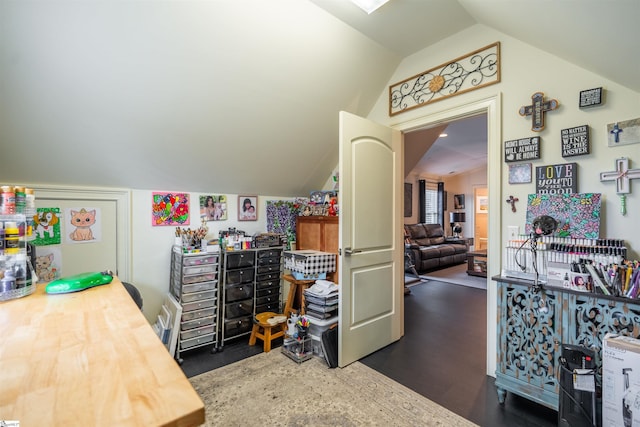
x=578, y=214
x=170, y=209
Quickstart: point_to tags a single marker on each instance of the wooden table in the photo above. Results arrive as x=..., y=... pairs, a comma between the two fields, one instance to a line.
x=89, y=358
x=471, y=260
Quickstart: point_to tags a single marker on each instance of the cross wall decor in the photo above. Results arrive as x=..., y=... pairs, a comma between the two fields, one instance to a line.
x=537, y=109
x=622, y=176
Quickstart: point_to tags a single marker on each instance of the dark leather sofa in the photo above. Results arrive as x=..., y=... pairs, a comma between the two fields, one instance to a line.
x=430, y=250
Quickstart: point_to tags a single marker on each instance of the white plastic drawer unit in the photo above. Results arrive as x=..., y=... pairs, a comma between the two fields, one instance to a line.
x=197, y=323
x=199, y=269
x=200, y=260
x=197, y=332
x=196, y=305
x=206, y=312
x=197, y=296
x=199, y=287
x=193, y=342
x=187, y=280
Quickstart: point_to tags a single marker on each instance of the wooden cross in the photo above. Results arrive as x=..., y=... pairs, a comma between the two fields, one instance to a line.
x=537, y=109
x=622, y=176
x=513, y=201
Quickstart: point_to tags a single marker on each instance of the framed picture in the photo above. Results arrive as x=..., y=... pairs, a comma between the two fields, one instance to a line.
x=458, y=201
x=213, y=207
x=520, y=173
x=482, y=204
x=247, y=208
x=408, y=196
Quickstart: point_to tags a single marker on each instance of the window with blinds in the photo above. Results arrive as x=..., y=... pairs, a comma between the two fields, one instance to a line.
x=431, y=203
x=432, y=198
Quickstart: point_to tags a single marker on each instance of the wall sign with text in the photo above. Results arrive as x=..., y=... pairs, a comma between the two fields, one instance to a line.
x=575, y=141
x=557, y=179
x=522, y=149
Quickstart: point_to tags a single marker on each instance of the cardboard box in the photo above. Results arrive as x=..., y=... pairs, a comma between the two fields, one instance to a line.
x=309, y=262
x=620, y=381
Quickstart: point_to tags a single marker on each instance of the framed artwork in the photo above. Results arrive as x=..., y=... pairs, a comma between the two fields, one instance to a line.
x=482, y=204
x=247, y=208
x=408, y=196
x=169, y=209
x=213, y=208
x=520, y=173
x=578, y=214
x=458, y=201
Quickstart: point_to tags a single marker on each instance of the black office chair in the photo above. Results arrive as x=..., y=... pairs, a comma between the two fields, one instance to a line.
x=135, y=294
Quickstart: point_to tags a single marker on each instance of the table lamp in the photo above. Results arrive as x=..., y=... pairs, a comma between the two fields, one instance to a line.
x=455, y=218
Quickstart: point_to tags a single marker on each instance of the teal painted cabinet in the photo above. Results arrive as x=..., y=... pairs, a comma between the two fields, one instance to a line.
x=532, y=326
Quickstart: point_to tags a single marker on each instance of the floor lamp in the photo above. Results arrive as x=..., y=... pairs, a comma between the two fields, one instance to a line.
x=455, y=218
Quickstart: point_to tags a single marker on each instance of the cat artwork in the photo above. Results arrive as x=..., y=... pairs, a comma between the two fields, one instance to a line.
x=82, y=220
x=44, y=268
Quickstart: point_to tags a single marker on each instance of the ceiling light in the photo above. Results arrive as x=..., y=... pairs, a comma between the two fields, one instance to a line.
x=443, y=135
x=369, y=5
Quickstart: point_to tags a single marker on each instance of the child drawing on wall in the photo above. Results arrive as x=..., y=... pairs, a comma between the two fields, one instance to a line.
x=82, y=220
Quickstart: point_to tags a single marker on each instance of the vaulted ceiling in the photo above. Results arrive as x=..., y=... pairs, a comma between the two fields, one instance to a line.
x=239, y=96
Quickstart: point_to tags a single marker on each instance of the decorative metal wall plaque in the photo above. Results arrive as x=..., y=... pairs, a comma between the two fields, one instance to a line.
x=469, y=72
x=522, y=149
x=575, y=141
x=590, y=97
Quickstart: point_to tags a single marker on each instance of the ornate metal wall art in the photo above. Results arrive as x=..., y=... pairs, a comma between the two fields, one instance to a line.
x=469, y=72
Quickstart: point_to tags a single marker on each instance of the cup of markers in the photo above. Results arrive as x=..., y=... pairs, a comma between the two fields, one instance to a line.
x=303, y=327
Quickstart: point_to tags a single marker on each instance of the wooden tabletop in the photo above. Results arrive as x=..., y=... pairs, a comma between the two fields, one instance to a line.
x=89, y=358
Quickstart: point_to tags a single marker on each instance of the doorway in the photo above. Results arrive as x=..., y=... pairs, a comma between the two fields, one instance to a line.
x=490, y=106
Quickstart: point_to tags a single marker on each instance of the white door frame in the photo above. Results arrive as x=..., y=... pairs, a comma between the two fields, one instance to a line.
x=492, y=106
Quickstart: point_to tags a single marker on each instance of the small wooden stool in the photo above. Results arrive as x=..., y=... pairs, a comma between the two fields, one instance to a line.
x=262, y=329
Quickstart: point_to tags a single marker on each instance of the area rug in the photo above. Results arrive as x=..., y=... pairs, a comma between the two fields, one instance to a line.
x=270, y=389
x=456, y=275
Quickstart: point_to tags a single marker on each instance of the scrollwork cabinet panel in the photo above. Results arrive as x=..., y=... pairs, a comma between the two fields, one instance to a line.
x=528, y=340
x=590, y=318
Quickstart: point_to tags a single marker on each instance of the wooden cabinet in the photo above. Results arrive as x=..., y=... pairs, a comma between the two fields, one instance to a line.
x=319, y=233
x=532, y=326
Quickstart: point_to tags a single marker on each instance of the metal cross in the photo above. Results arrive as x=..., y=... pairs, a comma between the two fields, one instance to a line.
x=513, y=201
x=622, y=176
x=537, y=109
x=616, y=132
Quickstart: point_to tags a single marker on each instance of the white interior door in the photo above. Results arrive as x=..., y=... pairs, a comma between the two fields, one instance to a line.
x=371, y=244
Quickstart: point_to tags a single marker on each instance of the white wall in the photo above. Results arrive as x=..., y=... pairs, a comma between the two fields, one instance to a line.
x=524, y=71
x=152, y=245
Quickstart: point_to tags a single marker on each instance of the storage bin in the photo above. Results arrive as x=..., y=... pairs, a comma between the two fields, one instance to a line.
x=197, y=332
x=238, y=292
x=318, y=326
x=273, y=306
x=199, y=287
x=235, y=277
x=199, y=269
x=197, y=323
x=207, y=312
x=196, y=305
x=271, y=268
x=199, y=278
x=239, y=260
x=268, y=283
x=272, y=253
x=233, y=327
x=273, y=291
x=196, y=341
x=198, y=296
x=269, y=276
x=310, y=262
x=198, y=260
x=239, y=308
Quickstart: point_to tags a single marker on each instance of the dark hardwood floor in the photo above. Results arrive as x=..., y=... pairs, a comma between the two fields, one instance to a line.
x=442, y=357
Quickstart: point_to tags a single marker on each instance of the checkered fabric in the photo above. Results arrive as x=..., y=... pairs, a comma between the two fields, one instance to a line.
x=310, y=262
